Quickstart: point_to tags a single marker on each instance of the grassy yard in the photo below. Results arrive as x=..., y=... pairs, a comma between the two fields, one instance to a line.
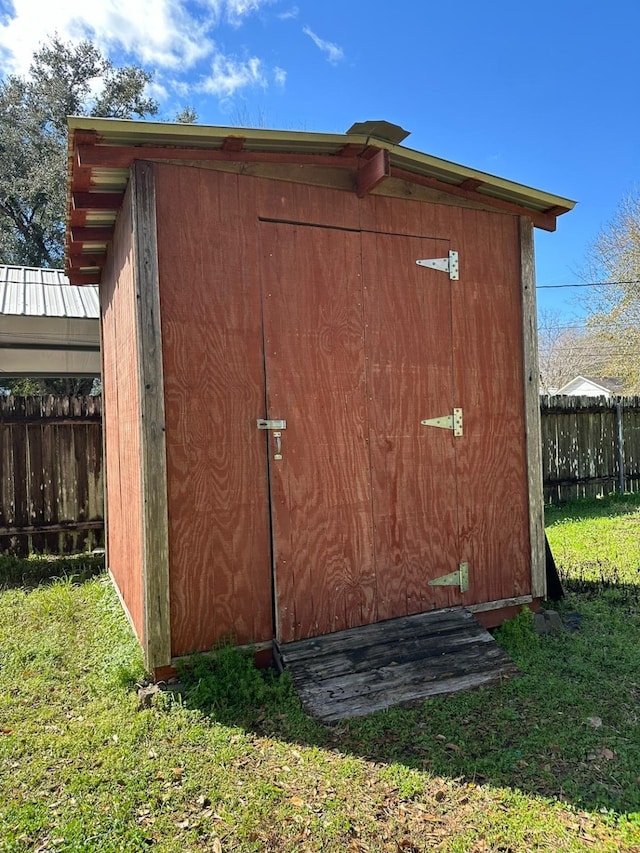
x=548, y=761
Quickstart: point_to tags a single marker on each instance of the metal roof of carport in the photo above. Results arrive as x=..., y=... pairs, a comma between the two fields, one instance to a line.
x=47, y=326
x=101, y=152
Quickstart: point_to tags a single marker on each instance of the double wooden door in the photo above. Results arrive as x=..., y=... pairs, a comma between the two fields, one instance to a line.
x=358, y=349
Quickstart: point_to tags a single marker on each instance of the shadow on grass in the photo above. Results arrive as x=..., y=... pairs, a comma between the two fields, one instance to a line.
x=29, y=572
x=606, y=506
x=568, y=728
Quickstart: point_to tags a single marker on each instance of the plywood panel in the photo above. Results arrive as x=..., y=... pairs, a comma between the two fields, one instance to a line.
x=321, y=489
x=491, y=466
x=297, y=203
x=220, y=583
x=121, y=421
x=409, y=365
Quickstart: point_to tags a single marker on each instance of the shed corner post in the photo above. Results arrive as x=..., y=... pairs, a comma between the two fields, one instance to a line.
x=532, y=409
x=155, y=541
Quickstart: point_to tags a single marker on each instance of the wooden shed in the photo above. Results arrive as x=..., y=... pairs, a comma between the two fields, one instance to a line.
x=320, y=379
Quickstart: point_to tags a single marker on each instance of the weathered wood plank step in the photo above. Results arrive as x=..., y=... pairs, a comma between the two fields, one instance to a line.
x=370, y=635
x=356, y=672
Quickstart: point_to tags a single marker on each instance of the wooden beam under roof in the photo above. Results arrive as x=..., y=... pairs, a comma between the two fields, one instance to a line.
x=540, y=219
x=233, y=143
x=471, y=184
x=96, y=200
x=121, y=157
x=84, y=260
x=91, y=235
x=373, y=172
x=82, y=278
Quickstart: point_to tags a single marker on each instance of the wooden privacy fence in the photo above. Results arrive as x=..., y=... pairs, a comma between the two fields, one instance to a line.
x=51, y=474
x=51, y=487
x=590, y=446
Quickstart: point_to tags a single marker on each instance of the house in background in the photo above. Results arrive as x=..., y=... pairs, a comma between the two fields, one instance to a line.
x=586, y=386
x=47, y=326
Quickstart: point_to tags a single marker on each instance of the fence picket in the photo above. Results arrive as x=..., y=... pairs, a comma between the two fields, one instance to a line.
x=580, y=453
x=51, y=471
x=50, y=474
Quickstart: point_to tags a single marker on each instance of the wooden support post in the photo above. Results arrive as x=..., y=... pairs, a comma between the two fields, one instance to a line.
x=620, y=443
x=532, y=409
x=155, y=557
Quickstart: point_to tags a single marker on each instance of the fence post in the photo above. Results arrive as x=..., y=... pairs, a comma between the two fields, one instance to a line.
x=620, y=447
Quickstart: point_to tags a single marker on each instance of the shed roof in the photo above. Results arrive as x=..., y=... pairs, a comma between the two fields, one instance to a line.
x=102, y=150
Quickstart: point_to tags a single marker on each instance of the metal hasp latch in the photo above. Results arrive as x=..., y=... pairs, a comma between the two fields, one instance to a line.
x=453, y=422
x=264, y=424
x=277, y=426
x=449, y=265
x=459, y=578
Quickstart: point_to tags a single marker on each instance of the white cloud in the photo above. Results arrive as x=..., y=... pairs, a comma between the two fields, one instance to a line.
x=289, y=15
x=334, y=53
x=175, y=39
x=166, y=35
x=162, y=33
x=228, y=75
x=239, y=9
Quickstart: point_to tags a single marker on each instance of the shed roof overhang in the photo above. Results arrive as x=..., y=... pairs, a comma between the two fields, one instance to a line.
x=101, y=152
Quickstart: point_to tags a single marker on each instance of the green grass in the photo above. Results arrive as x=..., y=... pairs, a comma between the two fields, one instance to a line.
x=597, y=540
x=547, y=761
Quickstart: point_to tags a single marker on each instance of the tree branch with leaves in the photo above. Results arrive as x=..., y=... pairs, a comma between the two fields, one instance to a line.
x=64, y=79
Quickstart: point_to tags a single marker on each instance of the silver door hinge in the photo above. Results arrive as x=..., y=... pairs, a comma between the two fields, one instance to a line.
x=459, y=578
x=453, y=422
x=449, y=265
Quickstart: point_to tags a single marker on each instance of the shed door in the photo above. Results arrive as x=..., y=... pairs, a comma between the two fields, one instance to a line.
x=357, y=352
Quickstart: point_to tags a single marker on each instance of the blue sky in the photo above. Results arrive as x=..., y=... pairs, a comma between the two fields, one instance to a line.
x=545, y=94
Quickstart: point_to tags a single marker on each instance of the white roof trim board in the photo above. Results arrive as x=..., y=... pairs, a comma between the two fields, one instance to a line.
x=36, y=292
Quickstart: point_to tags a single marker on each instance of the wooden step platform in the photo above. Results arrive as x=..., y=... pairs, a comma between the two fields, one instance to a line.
x=355, y=672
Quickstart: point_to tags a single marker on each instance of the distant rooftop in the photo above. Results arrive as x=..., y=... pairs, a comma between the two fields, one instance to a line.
x=37, y=292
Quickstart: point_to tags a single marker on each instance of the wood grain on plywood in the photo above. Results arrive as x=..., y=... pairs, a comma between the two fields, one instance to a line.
x=493, y=503
x=121, y=420
x=320, y=489
x=214, y=391
x=409, y=372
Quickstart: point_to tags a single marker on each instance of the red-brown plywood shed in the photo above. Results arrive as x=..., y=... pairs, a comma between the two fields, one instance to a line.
x=306, y=428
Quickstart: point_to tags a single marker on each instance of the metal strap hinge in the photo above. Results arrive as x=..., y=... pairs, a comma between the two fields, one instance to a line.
x=449, y=265
x=453, y=422
x=459, y=578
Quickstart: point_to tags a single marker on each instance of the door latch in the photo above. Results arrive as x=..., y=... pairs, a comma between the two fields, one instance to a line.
x=262, y=423
x=277, y=426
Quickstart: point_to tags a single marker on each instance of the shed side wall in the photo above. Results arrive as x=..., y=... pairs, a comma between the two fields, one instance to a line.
x=121, y=422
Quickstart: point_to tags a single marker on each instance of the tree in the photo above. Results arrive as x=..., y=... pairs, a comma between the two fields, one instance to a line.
x=567, y=351
x=187, y=115
x=614, y=308
x=66, y=386
x=64, y=79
